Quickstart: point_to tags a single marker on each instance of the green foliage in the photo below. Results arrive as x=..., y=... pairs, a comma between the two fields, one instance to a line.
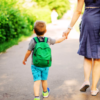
x=17, y=20
x=83, y=9
x=13, y=23
x=43, y=14
x=60, y=6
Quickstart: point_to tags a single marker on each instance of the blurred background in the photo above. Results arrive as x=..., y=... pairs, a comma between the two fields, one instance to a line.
x=17, y=17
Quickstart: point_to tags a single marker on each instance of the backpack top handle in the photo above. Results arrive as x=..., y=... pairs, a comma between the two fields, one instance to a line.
x=36, y=39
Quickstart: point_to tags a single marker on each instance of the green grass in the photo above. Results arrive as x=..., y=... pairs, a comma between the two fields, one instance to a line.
x=6, y=45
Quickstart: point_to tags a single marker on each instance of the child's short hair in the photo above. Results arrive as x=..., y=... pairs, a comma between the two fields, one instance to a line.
x=40, y=27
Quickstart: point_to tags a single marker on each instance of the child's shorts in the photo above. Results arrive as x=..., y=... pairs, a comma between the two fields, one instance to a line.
x=39, y=73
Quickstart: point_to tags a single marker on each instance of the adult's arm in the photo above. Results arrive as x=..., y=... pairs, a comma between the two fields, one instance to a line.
x=76, y=15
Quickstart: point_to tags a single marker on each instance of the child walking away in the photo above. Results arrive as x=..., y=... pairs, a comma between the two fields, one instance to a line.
x=41, y=58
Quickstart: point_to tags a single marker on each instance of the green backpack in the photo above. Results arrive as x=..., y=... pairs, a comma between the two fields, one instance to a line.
x=42, y=53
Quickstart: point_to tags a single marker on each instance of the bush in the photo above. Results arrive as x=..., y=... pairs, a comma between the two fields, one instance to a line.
x=13, y=23
x=17, y=21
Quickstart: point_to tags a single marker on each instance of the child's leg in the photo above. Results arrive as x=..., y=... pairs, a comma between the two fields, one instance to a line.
x=44, y=85
x=37, y=80
x=46, y=90
x=44, y=76
x=36, y=88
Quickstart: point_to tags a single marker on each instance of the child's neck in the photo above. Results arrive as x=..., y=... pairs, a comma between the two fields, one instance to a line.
x=40, y=35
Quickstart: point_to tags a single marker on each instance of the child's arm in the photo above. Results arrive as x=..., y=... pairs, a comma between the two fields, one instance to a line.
x=26, y=56
x=60, y=40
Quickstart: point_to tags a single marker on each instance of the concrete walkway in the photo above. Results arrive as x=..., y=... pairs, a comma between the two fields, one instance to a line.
x=65, y=76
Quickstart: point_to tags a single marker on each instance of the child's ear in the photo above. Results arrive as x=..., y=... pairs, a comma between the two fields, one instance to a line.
x=34, y=31
x=45, y=31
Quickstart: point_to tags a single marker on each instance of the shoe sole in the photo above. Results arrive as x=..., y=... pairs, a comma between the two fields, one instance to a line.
x=96, y=94
x=84, y=88
x=46, y=96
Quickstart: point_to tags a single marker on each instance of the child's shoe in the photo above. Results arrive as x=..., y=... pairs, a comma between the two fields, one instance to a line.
x=45, y=95
x=36, y=98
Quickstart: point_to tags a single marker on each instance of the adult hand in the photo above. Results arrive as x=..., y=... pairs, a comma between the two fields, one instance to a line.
x=66, y=33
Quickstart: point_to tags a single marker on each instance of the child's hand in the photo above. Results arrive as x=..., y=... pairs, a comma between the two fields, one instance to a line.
x=64, y=36
x=24, y=62
x=26, y=56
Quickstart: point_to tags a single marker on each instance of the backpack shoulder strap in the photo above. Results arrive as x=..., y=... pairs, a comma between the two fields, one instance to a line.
x=45, y=39
x=36, y=39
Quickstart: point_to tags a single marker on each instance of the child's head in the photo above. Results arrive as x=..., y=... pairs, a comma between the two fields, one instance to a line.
x=40, y=28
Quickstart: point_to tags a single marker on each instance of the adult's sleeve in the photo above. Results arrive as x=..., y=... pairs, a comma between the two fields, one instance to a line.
x=31, y=45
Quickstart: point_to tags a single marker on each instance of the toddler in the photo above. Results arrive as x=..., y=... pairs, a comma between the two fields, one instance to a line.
x=41, y=58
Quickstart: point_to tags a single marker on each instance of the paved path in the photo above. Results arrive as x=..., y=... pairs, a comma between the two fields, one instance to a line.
x=65, y=76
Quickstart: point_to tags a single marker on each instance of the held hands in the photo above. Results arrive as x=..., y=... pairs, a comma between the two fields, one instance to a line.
x=65, y=34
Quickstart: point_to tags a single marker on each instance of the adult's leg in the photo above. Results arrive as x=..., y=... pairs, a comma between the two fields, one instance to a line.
x=95, y=74
x=36, y=88
x=87, y=68
x=44, y=85
x=87, y=71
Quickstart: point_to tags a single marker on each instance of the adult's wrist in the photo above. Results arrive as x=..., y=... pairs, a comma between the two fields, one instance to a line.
x=70, y=27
